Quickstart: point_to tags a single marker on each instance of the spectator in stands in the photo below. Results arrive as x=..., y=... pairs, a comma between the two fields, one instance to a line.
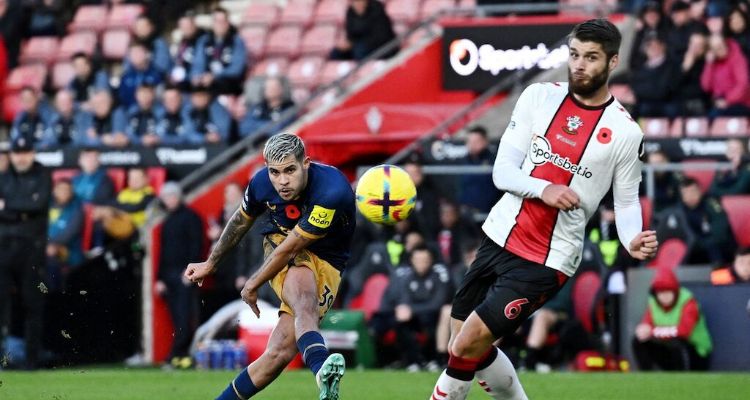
x=145, y=33
x=737, y=179
x=368, y=27
x=24, y=212
x=725, y=78
x=221, y=57
x=185, y=51
x=715, y=15
x=143, y=117
x=415, y=297
x=11, y=29
x=171, y=127
x=478, y=192
x=276, y=100
x=708, y=222
x=86, y=80
x=47, y=17
x=64, y=251
x=92, y=185
x=455, y=230
x=138, y=70
x=689, y=97
x=181, y=243
x=672, y=334
x=4, y=157
x=736, y=27
x=678, y=36
x=123, y=216
x=544, y=321
x=738, y=272
x=426, y=215
x=666, y=183
x=104, y=125
x=653, y=83
x=66, y=125
x=650, y=22
x=31, y=122
x=206, y=121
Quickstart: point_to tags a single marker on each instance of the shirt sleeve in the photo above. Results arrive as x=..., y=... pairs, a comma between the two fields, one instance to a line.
x=518, y=133
x=251, y=206
x=627, y=179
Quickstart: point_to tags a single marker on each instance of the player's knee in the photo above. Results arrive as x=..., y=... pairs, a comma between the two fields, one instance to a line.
x=280, y=356
x=463, y=346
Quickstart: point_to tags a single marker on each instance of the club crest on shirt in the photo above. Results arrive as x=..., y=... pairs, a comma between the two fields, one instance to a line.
x=574, y=123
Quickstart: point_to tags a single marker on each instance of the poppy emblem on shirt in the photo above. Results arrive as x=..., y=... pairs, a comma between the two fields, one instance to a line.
x=574, y=123
x=604, y=136
x=292, y=212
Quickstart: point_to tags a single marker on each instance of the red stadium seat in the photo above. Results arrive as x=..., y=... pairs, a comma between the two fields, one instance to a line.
x=737, y=208
x=319, y=40
x=670, y=255
x=62, y=74
x=622, y=93
x=40, y=49
x=284, y=41
x=64, y=173
x=369, y=300
x=305, y=72
x=647, y=211
x=677, y=129
x=331, y=12
x=405, y=11
x=655, y=127
x=271, y=67
x=468, y=3
x=298, y=13
x=729, y=126
x=89, y=18
x=156, y=178
x=115, y=44
x=255, y=40
x=334, y=70
x=432, y=7
x=261, y=14
x=84, y=42
x=703, y=176
x=11, y=106
x=123, y=15
x=696, y=127
x=119, y=177
x=32, y=75
x=585, y=290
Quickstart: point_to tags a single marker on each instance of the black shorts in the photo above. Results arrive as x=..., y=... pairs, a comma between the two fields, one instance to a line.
x=504, y=289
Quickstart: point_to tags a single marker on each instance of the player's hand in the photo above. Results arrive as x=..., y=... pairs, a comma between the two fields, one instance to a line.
x=195, y=272
x=643, y=332
x=250, y=296
x=644, y=246
x=561, y=197
x=403, y=313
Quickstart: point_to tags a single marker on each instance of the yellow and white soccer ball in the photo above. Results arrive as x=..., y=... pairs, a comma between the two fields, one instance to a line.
x=386, y=194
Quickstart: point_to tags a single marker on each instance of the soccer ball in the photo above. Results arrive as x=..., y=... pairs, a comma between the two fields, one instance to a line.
x=386, y=194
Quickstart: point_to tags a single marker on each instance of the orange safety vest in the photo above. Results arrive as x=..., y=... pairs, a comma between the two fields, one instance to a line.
x=722, y=276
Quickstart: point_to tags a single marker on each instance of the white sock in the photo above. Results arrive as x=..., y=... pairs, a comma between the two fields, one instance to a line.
x=449, y=388
x=500, y=381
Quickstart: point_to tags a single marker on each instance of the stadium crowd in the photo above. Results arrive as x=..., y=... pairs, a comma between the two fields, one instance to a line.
x=688, y=59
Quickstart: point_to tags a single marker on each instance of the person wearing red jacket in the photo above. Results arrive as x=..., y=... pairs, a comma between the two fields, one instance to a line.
x=672, y=334
x=725, y=78
x=3, y=70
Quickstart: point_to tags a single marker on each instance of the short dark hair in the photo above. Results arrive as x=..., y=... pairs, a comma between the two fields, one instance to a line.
x=80, y=54
x=480, y=130
x=221, y=10
x=599, y=31
x=743, y=251
x=688, y=181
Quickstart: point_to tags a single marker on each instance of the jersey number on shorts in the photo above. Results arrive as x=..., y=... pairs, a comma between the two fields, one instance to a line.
x=513, y=309
x=326, y=298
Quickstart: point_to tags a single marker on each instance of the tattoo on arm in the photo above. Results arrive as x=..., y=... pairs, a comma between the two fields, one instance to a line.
x=235, y=230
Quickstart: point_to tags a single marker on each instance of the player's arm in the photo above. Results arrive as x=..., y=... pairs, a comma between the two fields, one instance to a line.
x=234, y=231
x=641, y=245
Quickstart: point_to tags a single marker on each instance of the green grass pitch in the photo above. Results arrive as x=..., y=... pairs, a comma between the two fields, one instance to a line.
x=152, y=384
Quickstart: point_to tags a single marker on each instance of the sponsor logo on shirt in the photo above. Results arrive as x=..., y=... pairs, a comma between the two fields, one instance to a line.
x=321, y=217
x=541, y=153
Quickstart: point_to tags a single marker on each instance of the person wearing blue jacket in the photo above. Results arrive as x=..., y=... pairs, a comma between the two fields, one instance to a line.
x=221, y=57
x=86, y=80
x=104, y=125
x=143, y=117
x=66, y=125
x=64, y=233
x=138, y=70
x=206, y=121
x=171, y=128
x=270, y=110
x=145, y=33
x=31, y=122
